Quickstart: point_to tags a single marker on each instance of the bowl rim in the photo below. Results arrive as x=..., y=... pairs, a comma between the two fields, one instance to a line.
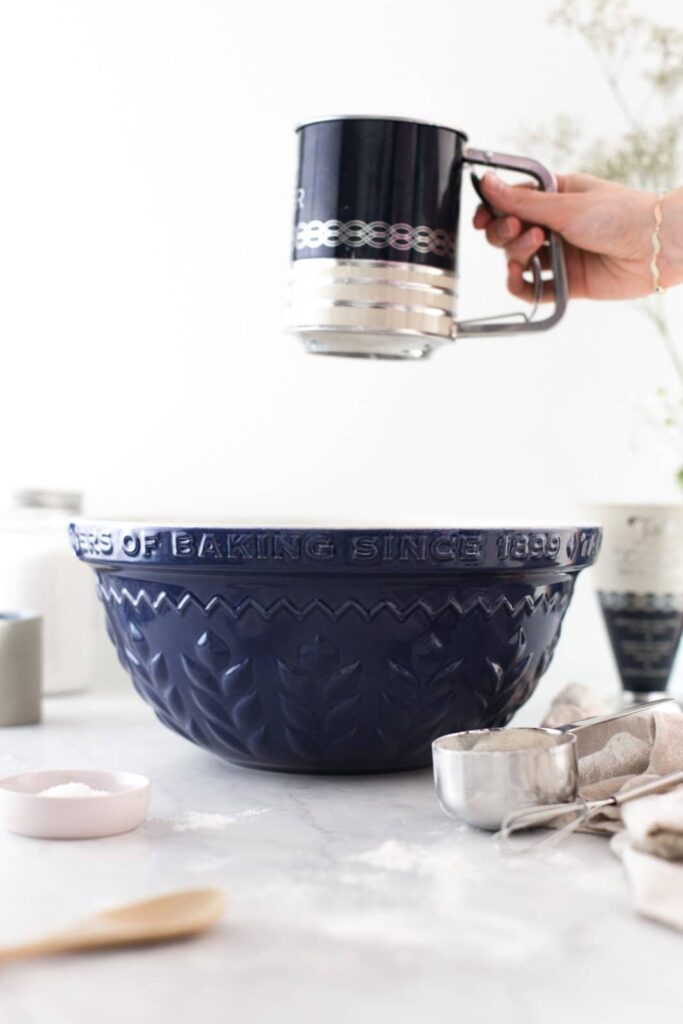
x=334, y=550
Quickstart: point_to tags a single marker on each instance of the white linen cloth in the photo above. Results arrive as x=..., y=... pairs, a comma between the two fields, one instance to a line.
x=647, y=833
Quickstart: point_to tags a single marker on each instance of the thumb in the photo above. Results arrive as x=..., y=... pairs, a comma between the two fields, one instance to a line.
x=548, y=209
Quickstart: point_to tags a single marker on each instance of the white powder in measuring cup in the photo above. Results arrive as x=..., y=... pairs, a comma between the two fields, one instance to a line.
x=73, y=789
x=512, y=739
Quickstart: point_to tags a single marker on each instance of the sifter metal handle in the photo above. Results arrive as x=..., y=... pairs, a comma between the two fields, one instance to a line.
x=508, y=324
x=535, y=263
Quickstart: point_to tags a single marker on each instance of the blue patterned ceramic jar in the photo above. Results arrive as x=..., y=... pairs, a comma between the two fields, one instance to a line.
x=333, y=650
x=640, y=588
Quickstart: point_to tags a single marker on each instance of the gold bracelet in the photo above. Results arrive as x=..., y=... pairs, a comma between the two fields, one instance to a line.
x=657, y=246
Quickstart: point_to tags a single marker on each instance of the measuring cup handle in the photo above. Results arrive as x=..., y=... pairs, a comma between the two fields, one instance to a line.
x=546, y=181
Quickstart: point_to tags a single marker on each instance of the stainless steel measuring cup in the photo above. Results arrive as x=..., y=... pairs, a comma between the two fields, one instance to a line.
x=484, y=775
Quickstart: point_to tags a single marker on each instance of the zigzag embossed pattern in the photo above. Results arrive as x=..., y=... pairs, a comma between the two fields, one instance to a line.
x=331, y=676
x=478, y=602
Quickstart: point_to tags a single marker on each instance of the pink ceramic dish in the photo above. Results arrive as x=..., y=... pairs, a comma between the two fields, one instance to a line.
x=27, y=811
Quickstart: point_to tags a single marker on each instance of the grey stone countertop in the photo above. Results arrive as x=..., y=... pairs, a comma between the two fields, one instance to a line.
x=350, y=900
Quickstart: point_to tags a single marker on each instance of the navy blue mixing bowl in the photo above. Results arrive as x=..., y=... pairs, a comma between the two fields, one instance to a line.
x=333, y=650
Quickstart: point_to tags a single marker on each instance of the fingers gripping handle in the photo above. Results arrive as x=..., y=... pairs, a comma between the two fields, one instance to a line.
x=546, y=181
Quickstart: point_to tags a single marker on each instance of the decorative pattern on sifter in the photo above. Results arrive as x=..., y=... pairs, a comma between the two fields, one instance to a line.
x=374, y=254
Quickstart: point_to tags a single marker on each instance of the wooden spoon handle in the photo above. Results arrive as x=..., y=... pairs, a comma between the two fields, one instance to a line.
x=46, y=947
x=73, y=940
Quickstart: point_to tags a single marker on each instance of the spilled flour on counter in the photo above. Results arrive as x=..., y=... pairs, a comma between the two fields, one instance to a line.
x=411, y=858
x=391, y=855
x=192, y=821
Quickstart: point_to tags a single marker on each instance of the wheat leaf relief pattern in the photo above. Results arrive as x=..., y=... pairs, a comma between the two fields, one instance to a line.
x=328, y=697
x=224, y=692
x=320, y=700
x=220, y=703
x=433, y=693
x=419, y=695
x=502, y=680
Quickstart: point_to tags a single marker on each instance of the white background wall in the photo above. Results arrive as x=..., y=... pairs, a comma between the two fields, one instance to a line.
x=145, y=209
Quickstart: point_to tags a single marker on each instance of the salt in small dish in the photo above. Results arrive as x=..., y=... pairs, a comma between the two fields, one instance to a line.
x=118, y=803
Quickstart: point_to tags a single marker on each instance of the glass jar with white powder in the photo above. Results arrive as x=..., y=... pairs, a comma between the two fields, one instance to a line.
x=39, y=573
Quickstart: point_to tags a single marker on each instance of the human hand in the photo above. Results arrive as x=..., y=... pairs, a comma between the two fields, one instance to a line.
x=607, y=230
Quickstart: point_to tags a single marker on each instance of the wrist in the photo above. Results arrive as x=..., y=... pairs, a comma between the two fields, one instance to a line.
x=670, y=259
